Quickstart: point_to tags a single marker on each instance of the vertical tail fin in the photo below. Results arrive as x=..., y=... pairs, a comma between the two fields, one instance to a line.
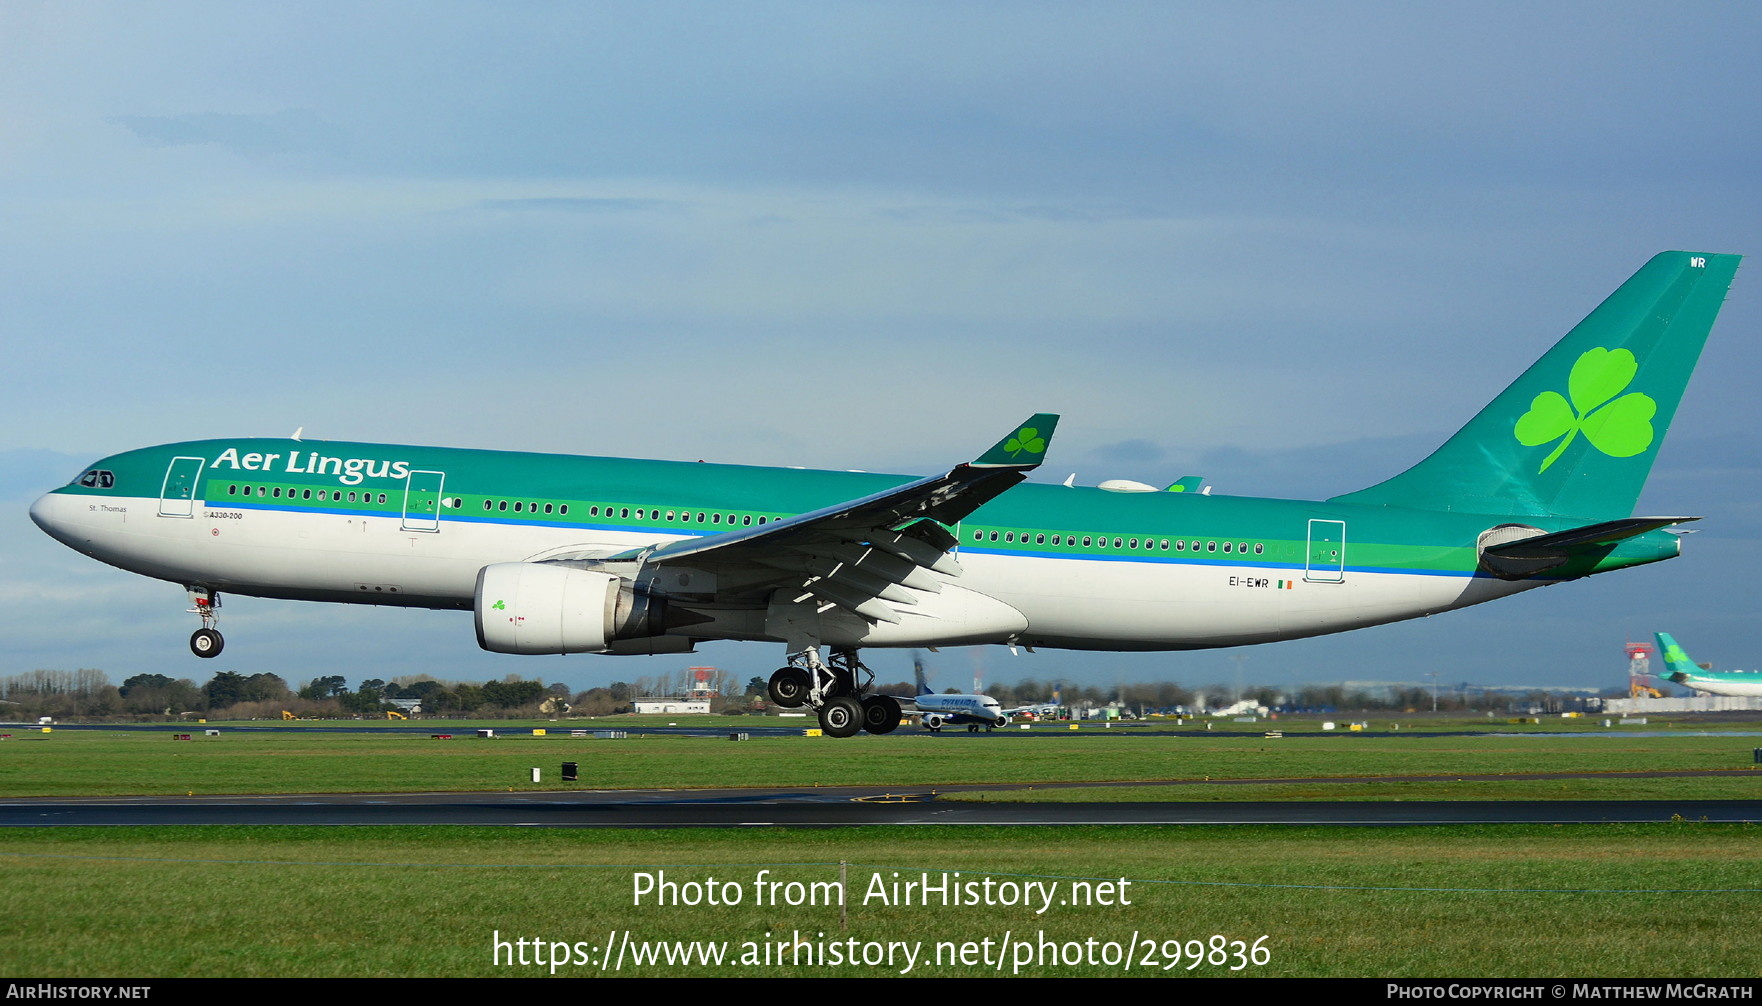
x=1577, y=432
x=1676, y=660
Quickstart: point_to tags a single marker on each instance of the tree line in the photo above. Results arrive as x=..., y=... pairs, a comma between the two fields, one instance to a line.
x=88, y=693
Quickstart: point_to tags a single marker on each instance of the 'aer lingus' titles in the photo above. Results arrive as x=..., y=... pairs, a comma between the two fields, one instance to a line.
x=348, y=471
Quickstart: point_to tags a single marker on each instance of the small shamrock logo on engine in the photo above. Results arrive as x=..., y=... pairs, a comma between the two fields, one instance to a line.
x=1620, y=428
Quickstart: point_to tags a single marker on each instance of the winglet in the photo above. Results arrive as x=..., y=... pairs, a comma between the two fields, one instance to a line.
x=1024, y=448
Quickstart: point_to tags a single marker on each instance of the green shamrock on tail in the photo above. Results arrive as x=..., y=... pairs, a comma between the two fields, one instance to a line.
x=1619, y=428
x=1026, y=439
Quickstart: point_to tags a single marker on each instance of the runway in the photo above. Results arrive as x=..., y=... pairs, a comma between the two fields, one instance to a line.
x=821, y=808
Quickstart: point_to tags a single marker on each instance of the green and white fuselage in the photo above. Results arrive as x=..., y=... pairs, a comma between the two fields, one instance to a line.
x=564, y=554
x=1086, y=568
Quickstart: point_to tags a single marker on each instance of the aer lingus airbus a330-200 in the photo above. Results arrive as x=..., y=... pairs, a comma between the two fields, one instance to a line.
x=563, y=554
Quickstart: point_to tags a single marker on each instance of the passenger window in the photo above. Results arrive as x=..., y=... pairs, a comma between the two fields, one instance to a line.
x=563, y=509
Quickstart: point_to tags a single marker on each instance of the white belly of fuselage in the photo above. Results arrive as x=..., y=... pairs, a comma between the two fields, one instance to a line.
x=1068, y=602
x=1102, y=604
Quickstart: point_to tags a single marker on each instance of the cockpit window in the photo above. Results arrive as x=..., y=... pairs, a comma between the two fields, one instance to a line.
x=98, y=478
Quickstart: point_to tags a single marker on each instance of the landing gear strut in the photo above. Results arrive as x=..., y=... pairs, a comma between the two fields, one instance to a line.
x=835, y=691
x=206, y=641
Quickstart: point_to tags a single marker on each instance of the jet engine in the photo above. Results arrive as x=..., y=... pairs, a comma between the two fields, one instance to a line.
x=541, y=607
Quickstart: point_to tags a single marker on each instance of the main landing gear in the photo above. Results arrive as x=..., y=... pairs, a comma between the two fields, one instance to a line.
x=206, y=641
x=835, y=692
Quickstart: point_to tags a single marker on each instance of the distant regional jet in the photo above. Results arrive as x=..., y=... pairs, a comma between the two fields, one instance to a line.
x=1684, y=671
x=566, y=554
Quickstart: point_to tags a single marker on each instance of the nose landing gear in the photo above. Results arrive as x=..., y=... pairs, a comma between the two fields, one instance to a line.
x=206, y=641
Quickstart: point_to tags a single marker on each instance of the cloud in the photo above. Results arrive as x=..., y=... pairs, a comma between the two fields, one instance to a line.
x=1128, y=452
x=571, y=204
x=290, y=130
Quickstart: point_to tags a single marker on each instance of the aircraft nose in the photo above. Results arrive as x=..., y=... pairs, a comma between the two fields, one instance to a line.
x=46, y=514
x=40, y=511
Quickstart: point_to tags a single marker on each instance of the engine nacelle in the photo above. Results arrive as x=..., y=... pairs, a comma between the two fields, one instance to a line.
x=541, y=607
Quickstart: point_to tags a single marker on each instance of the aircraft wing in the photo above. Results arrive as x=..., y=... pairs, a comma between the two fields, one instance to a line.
x=867, y=554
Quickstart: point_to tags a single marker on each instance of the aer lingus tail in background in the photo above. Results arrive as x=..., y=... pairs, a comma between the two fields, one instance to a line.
x=1679, y=669
x=1576, y=434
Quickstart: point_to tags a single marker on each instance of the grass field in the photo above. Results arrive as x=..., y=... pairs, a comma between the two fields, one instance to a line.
x=149, y=762
x=1678, y=900
x=1681, y=900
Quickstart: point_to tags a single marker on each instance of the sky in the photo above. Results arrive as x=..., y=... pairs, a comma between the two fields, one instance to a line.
x=1289, y=247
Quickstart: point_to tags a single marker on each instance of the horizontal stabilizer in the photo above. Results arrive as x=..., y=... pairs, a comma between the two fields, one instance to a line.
x=1604, y=533
x=1514, y=560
